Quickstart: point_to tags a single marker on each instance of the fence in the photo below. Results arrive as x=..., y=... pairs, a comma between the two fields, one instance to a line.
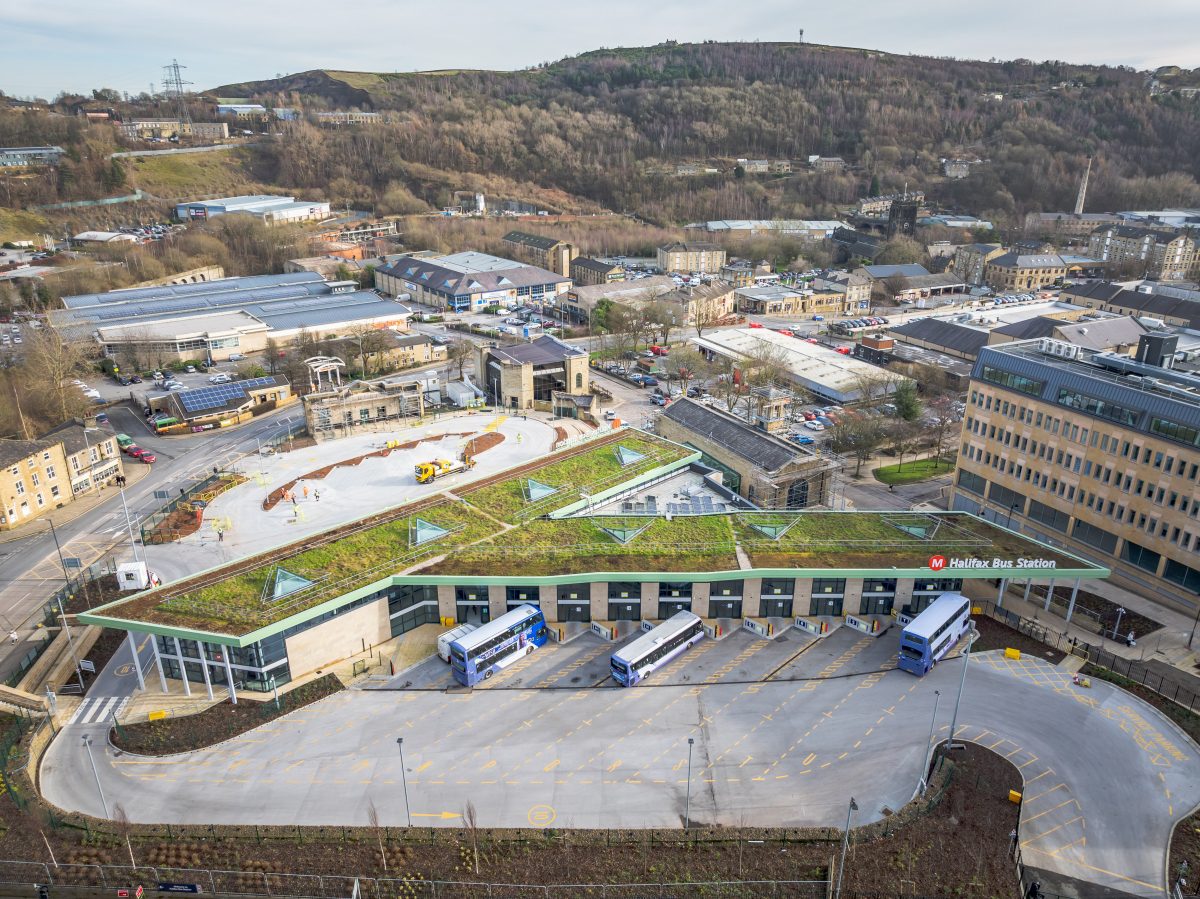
x=263, y=883
x=27, y=660
x=151, y=525
x=1130, y=669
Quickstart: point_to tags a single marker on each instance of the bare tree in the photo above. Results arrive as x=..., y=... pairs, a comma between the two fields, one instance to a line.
x=125, y=829
x=903, y=437
x=686, y=365
x=271, y=348
x=56, y=357
x=471, y=819
x=943, y=418
x=373, y=818
x=459, y=352
x=858, y=435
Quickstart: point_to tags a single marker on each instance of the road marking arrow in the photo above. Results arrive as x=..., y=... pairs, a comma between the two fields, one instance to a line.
x=445, y=816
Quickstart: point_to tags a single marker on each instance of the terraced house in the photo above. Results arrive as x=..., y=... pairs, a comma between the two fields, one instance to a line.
x=1168, y=254
x=623, y=527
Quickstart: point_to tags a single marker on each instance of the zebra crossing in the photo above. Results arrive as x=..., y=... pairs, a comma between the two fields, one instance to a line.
x=99, y=709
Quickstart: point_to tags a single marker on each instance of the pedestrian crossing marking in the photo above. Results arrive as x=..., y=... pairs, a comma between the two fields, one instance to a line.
x=99, y=709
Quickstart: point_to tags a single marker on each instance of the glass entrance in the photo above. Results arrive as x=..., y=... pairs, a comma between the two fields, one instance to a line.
x=724, y=608
x=827, y=605
x=876, y=605
x=624, y=611
x=474, y=613
x=574, y=611
x=775, y=608
x=668, y=607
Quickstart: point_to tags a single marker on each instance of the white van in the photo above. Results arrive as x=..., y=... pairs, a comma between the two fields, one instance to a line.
x=449, y=637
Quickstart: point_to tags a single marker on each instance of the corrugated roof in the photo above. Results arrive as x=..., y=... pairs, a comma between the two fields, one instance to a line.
x=757, y=447
x=1042, y=326
x=594, y=265
x=908, y=270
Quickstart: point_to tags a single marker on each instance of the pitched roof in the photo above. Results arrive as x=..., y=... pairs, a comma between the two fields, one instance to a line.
x=1039, y=326
x=960, y=338
x=15, y=450
x=432, y=275
x=1019, y=260
x=74, y=436
x=594, y=265
x=525, y=239
x=1135, y=232
x=538, y=352
x=908, y=270
x=690, y=247
x=763, y=450
x=1101, y=335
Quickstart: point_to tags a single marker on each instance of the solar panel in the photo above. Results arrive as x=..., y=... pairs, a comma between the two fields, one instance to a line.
x=219, y=395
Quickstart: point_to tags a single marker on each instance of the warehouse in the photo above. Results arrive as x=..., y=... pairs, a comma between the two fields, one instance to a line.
x=470, y=282
x=816, y=368
x=270, y=209
x=150, y=326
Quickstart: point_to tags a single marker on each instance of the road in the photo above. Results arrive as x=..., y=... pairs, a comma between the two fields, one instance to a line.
x=775, y=753
x=29, y=567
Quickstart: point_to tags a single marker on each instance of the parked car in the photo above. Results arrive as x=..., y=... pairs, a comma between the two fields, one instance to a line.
x=148, y=458
x=134, y=450
x=236, y=357
x=648, y=381
x=803, y=439
x=610, y=415
x=818, y=318
x=814, y=426
x=658, y=400
x=101, y=418
x=191, y=369
x=809, y=415
x=135, y=379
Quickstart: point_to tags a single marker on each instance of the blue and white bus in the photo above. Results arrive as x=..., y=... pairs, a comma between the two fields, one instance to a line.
x=653, y=649
x=494, y=646
x=931, y=634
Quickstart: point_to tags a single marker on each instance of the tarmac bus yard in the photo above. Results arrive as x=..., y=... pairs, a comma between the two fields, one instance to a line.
x=790, y=713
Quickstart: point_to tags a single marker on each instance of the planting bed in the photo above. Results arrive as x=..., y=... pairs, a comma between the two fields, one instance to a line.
x=220, y=722
x=994, y=635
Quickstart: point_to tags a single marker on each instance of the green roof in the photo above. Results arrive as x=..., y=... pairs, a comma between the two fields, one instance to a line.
x=494, y=533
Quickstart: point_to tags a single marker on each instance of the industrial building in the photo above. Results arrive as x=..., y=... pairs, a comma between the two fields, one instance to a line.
x=818, y=369
x=470, y=281
x=1092, y=451
x=28, y=157
x=691, y=257
x=809, y=229
x=545, y=252
x=271, y=210
x=622, y=528
x=149, y=326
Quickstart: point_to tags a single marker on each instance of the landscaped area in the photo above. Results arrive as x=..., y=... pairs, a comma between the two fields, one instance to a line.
x=913, y=471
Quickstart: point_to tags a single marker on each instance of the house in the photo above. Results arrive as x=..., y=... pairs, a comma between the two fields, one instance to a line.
x=850, y=245
x=769, y=471
x=919, y=288
x=1016, y=272
x=957, y=168
x=533, y=375
x=781, y=300
x=702, y=304
x=755, y=166
x=388, y=350
x=897, y=273
x=29, y=157
x=879, y=206
x=691, y=257
x=586, y=271
x=545, y=252
x=65, y=463
x=580, y=301
x=855, y=285
x=1172, y=310
x=826, y=163
x=1168, y=254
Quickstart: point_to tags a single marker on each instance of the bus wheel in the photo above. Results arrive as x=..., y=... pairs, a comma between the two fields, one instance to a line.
x=487, y=674
x=689, y=646
x=528, y=650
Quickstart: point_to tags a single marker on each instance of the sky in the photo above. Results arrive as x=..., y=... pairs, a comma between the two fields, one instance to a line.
x=76, y=46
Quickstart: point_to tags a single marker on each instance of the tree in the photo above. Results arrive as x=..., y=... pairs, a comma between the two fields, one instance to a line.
x=906, y=400
x=57, y=358
x=471, y=820
x=900, y=250
x=686, y=365
x=459, y=352
x=902, y=437
x=373, y=819
x=703, y=320
x=870, y=385
x=271, y=348
x=860, y=436
x=944, y=417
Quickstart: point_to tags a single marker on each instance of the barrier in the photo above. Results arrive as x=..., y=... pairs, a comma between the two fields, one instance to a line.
x=713, y=631
x=604, y=631
x=757, y=627
x=817, y=628
x=647, y=625
x=1011, y=653
x=870, y=626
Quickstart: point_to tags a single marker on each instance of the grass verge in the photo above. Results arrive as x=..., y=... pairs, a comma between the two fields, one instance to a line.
x=912, y=472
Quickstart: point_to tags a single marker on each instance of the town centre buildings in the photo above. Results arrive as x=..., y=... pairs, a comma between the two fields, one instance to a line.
x=623, y=527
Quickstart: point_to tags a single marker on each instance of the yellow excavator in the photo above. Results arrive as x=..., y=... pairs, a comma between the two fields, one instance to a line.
x=431, y=471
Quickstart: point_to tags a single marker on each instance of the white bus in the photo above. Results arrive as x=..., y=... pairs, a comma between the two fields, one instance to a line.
x=934, y=632
x=490, y=647
x=631, y=664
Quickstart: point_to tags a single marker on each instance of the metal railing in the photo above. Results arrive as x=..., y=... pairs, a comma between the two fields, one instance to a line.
x=1134, y=671
x=337, y=886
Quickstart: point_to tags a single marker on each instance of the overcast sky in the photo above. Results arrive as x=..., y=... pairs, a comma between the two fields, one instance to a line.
x=75, y=45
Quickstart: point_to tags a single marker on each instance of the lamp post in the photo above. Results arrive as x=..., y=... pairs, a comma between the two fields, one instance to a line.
x=1195, y=622
x=687, y=808
x=128, y=520
x=921, y=782
x=961, y=683
x=1117, y=627
x=58, y=547
x=845, y=845
x=62, y=616
x=404, y=781
x=87, y=745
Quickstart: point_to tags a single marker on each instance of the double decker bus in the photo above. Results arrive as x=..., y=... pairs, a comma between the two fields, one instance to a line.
x=633, y=663
x=929, y=636
x=494, y=646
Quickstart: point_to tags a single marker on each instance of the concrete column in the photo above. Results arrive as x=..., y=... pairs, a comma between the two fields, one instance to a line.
x=497, y=597
x=597, y=592
x=137, y=663
x=802, y=597
x=1049, y=595
x=229, y=675
x=187, y=688
x=548, y=600
x=1000, y=595
x=204, y=668
x=1071, y=603
x=447, y=607
x=701, y=591
x=162, y=678
x=1028, y=587
x=650, y=593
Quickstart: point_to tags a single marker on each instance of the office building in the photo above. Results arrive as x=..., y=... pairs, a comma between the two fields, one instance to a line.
x=1094, y=452
x=544, y=252
x=691, y=257
x=470, y=282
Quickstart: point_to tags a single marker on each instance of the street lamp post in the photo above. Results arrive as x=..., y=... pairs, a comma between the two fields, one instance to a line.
x=128, y=521
x=58, y=548
x=845, y=845
x=1117, y=627
x=961, y=683
x=87, y=745
x=404, y=781
x=687, y=808
x=922, y=784
x=62, y=616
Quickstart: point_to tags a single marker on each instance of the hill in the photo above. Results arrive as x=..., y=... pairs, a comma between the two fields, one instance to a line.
x=610, y=126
